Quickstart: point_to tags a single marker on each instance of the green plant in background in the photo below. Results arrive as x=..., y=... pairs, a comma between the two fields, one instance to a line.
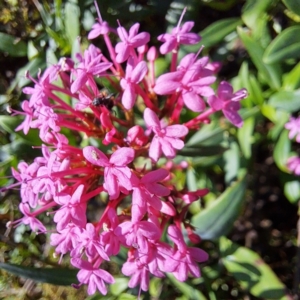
x=264, y=42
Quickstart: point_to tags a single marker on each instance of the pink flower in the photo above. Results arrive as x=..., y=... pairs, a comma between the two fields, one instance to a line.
x=293, y=165
x=130, y=41
x=146, y=192
x=72, y=210
x=89, y=240
x=137, y=234
x=94, y=277
x=190, y=80
x=29, y=113
x=30, y=219
x=136, y=136
x=178, y=36
x=166, y=138
x=294, y=126
x=39, y=91
x=47, y=120
x=99, y=28
x=184, y=260
x=116, y=173
x=134, y=75
x=139, y=274
x=27, y=177
x=66, y=239
x=227, y=101
x=108, y=237
x=90, y=65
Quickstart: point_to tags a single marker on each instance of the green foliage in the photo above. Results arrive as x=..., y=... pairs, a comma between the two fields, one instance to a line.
x=57, y=276
x=251, y=271
x=217, y=220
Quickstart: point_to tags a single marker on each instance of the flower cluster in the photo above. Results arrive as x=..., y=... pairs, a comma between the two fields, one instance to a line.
x=143, y=132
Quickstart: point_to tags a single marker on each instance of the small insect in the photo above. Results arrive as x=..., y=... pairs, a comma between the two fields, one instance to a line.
x=105, y=99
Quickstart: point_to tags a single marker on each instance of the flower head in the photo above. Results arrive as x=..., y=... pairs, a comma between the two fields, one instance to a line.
x=166, y=138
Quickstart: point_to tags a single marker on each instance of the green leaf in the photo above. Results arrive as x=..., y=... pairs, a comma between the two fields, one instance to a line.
x=125, y=296
x=286, y=45
x=251, y=272
x=9, y=124
x=292, y=191
x=211, y=134
x=32, y=51
x=291, y=80
x=12, y=46
x=293, y=5
x=245, y=137
x=243, y=76
x=189, y=291
x=270, y=73
x=46, y=17
x=232, y=162
x=253, y=10
x=191, y=179
x=255, y=91
x=57, y=276
x=202, y=151
x=120, y=285
x=217, y=31
x=286, y=100
x=32, y=67
x=282, y=151
x=217, y=219
x=269, y=112
x=72, y=25
x=155, y=287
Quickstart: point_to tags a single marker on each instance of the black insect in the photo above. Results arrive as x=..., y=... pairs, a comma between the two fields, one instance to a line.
x=105, y=99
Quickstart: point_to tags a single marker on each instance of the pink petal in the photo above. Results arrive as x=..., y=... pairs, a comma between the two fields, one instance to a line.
x=230, y=112
x=134, y=29
x=129, y=268
x=111, y=185
x=176, y=131
x=137, y=213
x=122, y=156
x=164, y=37
x=155, y=149
x=140, y=39
x=104, y=275
x=149, y=230
x=167, y=146
x=182, y=272
x=139, y=72
x=193, y=101
x=168, y=46
x=100, y=68
x=77, y=194
x=123, y=35
x=95, y=156
x=225, y=90
x=92, y=287
x=198, y=254
x=187, y=26
x=167, y=208
x=79, y=82
x=151, y=118
x=189, y=38
x=129, y=96
x=155, y=176
x=157, y=189
x=215, y=103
